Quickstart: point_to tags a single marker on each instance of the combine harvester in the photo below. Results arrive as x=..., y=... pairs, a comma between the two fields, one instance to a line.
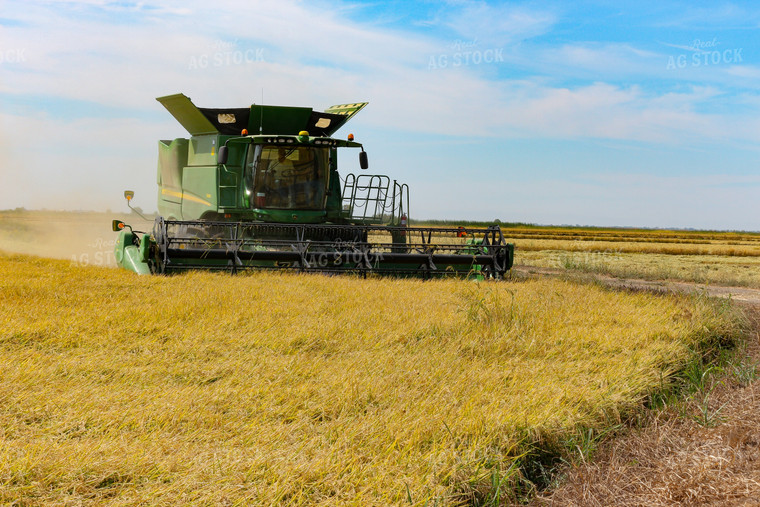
x=258, y=188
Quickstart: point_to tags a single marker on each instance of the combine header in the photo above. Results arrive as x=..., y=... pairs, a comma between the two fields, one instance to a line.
x=259, y=188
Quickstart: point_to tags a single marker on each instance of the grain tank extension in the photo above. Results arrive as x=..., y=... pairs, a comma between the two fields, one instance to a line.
x=259, y=188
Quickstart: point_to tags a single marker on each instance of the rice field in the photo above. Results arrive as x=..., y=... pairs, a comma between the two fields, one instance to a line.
x=620, y=241
x=720, y=270
x=711, y=257
x=286, y=389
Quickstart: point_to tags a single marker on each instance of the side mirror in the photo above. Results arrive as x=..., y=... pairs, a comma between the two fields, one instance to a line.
x=363, y=162
x=128, y=195
x=221, y=157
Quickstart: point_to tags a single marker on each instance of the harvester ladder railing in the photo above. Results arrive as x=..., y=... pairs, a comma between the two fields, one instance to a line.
x=367, y=199
x=349, y=189
x=374, y=199
x=400, y=202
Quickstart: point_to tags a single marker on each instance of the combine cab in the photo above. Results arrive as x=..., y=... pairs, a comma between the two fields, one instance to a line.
x=259, y=188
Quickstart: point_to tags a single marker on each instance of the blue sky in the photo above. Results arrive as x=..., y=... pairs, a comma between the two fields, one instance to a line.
x=590, y=112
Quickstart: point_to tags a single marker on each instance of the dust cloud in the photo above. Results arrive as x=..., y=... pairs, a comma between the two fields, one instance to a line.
x=84, y=238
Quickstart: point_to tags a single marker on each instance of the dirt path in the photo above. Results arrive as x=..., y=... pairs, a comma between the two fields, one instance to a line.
x=706, y=452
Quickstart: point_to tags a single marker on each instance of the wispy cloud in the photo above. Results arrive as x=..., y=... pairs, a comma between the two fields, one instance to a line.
x=87, y=69
x=498, y=24
x=716, y=15
x=297, y=47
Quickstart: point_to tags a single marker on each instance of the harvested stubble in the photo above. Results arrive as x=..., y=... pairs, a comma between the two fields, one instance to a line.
x=276, y=389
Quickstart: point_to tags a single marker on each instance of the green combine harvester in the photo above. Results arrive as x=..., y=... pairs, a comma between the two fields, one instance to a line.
x=259, y=188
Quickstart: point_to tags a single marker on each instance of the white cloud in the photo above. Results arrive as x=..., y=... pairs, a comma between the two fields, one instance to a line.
x=714, y=15
x=498, y=24
x=745, y=71
x=306, y=54
x=313, y=54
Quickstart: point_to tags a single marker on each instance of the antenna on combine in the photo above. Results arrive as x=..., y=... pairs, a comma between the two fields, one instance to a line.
x=261, y=123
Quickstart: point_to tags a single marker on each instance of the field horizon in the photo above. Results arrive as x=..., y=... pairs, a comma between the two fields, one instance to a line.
x=721, y=258
x=427, y=221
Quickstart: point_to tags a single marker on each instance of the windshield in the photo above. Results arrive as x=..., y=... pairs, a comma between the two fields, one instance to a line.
x=281, y=177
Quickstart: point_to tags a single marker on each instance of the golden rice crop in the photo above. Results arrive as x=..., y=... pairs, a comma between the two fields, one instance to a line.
x=636, y=235
x=665, y=242
x=286, y=389
x=712, y=269
x=720, y=248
